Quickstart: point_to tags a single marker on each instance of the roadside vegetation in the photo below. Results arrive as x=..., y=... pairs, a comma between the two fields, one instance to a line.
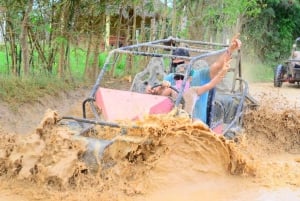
x=48, y=47
x=17, y=92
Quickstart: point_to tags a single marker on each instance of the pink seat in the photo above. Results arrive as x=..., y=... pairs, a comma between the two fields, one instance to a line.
x=121, y=105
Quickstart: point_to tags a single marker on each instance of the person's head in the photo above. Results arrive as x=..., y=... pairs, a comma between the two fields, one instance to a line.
x=180, y=72
x=177, y=61
x=296, y=54
x=179, y=52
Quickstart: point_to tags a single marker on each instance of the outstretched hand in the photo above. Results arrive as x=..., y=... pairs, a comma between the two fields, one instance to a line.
x=235, y=43
x=157, y=90
x=225, y=68
x=165, y=83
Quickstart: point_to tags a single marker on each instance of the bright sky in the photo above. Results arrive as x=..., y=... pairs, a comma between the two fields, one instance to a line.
x=169, y=2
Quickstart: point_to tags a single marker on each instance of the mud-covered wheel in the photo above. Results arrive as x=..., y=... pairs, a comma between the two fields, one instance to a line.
x=278, y=75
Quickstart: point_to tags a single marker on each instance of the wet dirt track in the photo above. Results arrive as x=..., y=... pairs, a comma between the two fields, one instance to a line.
x=170, y=159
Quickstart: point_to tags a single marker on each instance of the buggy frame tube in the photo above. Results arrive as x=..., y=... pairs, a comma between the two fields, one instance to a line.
x=240, y=106
x=97, y=122
x=83, y=106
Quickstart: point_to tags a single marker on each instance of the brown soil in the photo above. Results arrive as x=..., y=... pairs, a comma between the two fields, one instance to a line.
x=28, y=116
x=169, y=159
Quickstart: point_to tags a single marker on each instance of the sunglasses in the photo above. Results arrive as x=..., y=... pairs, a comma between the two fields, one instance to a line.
x=177, y=63
x=178, y=77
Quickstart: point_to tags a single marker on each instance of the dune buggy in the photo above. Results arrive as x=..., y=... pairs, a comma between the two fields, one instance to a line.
x=290, y=70
x=150, y=62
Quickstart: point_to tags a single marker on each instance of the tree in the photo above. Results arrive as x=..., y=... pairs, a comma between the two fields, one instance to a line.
x=217, y=20
x=24, y=37
x=272, y=32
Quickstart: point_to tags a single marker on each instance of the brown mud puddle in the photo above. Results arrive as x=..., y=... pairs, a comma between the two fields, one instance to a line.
x=168, y=159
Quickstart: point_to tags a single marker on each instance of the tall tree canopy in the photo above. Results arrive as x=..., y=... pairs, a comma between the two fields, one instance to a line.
x=272, y=32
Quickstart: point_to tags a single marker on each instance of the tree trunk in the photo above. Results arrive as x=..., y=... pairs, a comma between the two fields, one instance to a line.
x=52, y=50
x=65, y=28
x=163, y=21
x=174, y=19
x=142, y=34
x=24, y=38
x=128, y=35
x=133, y=35
x=87, y=69
x=38, y=47
x=61, y=62
x=107, y=32
x=119, y=28
x=129, y=42
x=62, y=29
x=13, y=46
x=153, y=29
x=95, y=62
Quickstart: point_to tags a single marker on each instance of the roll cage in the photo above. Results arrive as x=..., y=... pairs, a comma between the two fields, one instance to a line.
x=225, y=104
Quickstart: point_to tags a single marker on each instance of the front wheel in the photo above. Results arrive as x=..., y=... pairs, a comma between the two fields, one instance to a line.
x=278, y=75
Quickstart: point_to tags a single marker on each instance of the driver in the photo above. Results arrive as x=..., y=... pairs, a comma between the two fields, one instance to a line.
x=177, y=77
x=294, y=64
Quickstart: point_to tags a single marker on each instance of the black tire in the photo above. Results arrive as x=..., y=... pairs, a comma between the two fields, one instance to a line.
x=278, y=75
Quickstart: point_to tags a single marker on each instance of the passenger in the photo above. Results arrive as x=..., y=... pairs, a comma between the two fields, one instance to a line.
x=194, y=93
x=202, y=81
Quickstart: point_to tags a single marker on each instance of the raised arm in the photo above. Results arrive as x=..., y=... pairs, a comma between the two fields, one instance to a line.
x=217, y=65
x=190, y=96
x=216, y=79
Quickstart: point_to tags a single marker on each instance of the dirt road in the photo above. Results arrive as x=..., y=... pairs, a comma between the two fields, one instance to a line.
x=288, y=93
x=183, y=162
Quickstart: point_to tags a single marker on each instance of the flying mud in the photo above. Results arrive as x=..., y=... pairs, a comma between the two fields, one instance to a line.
x=163, y=157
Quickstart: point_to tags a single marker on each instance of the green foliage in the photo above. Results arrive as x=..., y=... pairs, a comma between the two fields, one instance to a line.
x=102, y=58
x=3, y=64
x=273, y=31
x=184, y=33
x=225, y=14
x=121, y=65
x=77, y=61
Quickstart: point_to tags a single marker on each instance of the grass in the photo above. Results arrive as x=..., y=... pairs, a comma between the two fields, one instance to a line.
x=256, y=71
x=17, y=91
x=77, y=61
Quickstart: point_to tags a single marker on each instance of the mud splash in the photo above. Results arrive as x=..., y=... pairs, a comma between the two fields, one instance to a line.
x=273, y=141
x=167, y=159
x=41, y=157
x=141, y=161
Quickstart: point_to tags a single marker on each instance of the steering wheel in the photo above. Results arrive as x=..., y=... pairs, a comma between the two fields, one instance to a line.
x=174, y=89
x=171, y=87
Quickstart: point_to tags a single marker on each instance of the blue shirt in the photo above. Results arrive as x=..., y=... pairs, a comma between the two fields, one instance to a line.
x=199, y=78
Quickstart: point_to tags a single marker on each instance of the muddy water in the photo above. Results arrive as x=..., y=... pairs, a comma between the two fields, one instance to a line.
x=168, y=159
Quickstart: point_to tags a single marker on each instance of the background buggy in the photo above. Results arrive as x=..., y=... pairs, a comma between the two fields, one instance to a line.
x=290, y=70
